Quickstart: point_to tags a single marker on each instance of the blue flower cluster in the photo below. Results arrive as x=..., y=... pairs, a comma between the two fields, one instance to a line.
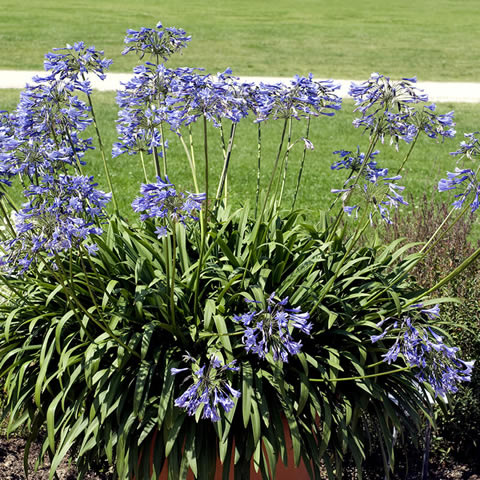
x=179, y=97
x=388, y=110
x=8, y=144
x=76, y=61
x=209, y=390
x=385, y=194
x=159, y=42
x=269, y=330
x=469, y=148
x=424, y=349
x=42, y=136
x=61, y=214
x=468, y=180
x=302, y=98
x=161, y=200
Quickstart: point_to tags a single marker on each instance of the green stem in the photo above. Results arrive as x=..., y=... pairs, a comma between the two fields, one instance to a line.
x=9, y=199
x=89, y=288
x=227, y=154
x=340, y=214
x=356, y=236
x=156, y=161
x=422, y=256
x=72, y=145
x=205, y=151
x=102, y=151
x=172, y=285
x=274, y=170
x=446, y=279
x=166, y=244
x=191, y=161
x=300, y=172
x=407, y=156
x=259, y=162
x=164, y=151
x=143, y=166
x=203, y=224
x=285, y=162
x=7, y=219
x=373, y=375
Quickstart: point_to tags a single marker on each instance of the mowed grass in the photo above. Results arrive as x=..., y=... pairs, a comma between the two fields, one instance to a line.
x=429, y=162
x=434, y=39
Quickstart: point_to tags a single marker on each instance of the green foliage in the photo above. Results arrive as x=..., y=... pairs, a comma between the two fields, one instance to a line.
x=110, y=395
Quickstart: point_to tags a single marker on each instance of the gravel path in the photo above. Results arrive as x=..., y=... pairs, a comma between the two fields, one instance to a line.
x=437, y=91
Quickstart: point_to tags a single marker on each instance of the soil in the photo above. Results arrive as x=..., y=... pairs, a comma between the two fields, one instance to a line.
x=11, y=467
x=11, y=463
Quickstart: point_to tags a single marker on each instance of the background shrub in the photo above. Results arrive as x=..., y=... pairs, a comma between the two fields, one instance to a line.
x=457, y=437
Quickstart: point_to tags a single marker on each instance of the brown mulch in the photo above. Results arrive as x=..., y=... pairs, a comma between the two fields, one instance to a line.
x=11, y=463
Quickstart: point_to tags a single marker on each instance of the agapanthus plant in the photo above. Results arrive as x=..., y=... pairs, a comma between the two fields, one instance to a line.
x=102, y=309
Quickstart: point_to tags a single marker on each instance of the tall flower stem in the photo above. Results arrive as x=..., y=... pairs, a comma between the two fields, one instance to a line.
x=156, y=161
x=7, y=219
x=422, y=254
x=302, y=164
x=407, y=156
x=223, y=179
x=372, y=375
x=362, y=225
x=8, y=198
x=164, y=151
x=260, y=216
x=203, y=222
x=285, y=163
x=341, y=212
x=168, y=258
x=172, y=274
x=191, y=161
x=143, y=167
x=205, y=151
x=72, y=145
x=274, y=170
x=102, y=151
x=446, y=279
x=259, y=163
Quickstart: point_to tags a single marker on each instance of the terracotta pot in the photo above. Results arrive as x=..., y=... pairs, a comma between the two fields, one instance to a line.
x=283, y=472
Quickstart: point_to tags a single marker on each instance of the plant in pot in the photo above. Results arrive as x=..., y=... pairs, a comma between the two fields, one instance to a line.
x=209, y=338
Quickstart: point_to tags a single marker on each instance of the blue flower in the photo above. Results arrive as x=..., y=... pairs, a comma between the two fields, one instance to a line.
x=470, y=148
x=388, y=110
x=373, y=184
x=161, y=42
x=209, y=390
x=467, y=179
x=75, y=61
x=269, y=330
x=302, y=98
x=161, y=200
x=61, y=214
x=423, y=348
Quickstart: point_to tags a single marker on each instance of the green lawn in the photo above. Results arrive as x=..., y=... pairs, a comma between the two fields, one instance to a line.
x=427, y=165
x=434, y=39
